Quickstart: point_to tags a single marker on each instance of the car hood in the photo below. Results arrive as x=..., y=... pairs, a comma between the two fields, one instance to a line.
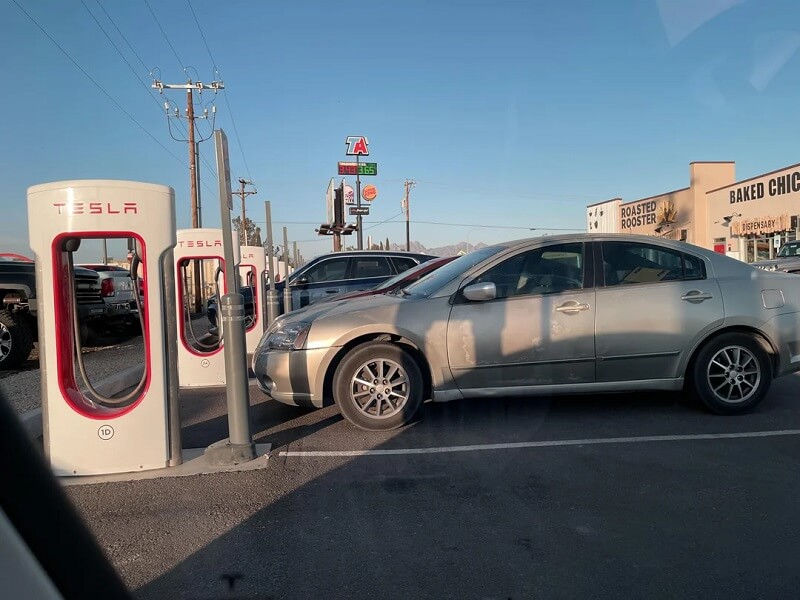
x=342, y=306
x=780, y=263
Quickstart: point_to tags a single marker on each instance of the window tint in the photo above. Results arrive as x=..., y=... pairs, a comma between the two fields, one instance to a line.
x=630, y=262
x=371, y=266
x=332, y=269
x=401, y=263
x=546, y=270
x=693, y=267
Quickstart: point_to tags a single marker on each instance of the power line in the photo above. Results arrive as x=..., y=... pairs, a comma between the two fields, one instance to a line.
x=400, y=214
x=122, y=35
x=108, y=37
x=473, y=225
x=225, y=95
x=496, y=226
x=202, y=35
x=96, y=84
x=494, y=192
x=127, y=62
x=161, y=29
x=238, y=139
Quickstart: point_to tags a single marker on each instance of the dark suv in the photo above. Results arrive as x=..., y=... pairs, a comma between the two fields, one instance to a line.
x=332, y=274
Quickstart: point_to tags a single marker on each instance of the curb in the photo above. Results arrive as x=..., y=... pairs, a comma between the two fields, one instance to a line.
x=32, y=419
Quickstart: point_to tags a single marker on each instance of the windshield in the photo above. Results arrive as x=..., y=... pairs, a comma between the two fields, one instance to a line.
x=790, y=250
x=444, y=275
x=390, y=283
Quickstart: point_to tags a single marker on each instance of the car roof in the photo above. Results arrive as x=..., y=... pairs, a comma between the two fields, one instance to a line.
x=386, y=253
x=606, y=237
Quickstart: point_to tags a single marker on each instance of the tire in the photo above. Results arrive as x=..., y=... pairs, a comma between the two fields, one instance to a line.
x=747, y=384
x=368, y=407
x=16, y=339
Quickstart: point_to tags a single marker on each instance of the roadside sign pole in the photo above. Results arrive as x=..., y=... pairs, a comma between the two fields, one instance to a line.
x=358, y=202
x=239, y=447
x=287, y=293
x=273, y=305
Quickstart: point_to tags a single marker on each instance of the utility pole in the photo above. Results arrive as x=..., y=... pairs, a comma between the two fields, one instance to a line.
x=244, y=194
x=194, y=151
x=408, y=184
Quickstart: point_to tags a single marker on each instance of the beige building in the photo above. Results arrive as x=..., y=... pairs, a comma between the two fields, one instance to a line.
x=746, y=219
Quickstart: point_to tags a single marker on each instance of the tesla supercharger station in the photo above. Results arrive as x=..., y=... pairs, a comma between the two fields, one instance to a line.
x=201, y=363
x=84, y=433
x=252, y=273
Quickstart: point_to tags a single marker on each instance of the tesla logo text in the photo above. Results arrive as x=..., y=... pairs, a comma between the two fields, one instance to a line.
x=200, y=243
x=357, y=145
x=96, y=208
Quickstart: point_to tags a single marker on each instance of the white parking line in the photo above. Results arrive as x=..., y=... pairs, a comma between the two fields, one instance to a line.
x=541, y=444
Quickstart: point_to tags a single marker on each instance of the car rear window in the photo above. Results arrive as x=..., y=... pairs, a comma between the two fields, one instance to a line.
x=371, y=266
x=401, y=263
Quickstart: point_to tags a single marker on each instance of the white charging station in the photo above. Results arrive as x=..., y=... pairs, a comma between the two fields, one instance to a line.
x=200, y=364
x=252, y=273
x=84, y=434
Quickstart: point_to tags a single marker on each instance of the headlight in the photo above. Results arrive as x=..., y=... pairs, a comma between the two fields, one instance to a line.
x=291, y=336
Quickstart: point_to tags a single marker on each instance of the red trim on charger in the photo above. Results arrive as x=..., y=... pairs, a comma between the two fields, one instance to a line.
x=65, y=344
x=179, y=284
x=256, y=284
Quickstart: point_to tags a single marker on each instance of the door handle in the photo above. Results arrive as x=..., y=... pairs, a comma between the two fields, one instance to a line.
x=572, y=307
x=696, y=296
x=331, y=291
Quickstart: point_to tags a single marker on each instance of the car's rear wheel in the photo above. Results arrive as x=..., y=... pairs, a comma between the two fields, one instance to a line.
x=378, y=386
x=732, y=374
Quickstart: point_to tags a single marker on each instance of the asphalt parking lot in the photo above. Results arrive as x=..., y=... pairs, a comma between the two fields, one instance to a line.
x=684, y=513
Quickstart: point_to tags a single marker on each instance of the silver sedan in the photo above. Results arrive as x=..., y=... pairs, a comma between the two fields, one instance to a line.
x=550, y=315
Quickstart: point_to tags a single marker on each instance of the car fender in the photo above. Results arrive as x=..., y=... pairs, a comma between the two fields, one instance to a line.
x=441, y=377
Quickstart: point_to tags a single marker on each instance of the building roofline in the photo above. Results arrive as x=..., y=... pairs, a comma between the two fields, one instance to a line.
x=741, y=181
x=713, y=162
x=659, y=195
x=603, y=202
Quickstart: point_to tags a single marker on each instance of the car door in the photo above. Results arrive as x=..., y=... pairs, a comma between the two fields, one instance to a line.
x=366, y=272
x=539, y=330
x=655, y=302
x=326, y=278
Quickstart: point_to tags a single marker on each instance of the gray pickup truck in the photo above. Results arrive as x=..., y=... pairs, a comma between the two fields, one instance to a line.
x=18, y=307
x=787, y=259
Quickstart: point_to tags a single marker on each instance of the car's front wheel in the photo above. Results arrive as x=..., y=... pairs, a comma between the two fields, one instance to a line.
x=16, y=339
x=732, y=374
x=378, y=386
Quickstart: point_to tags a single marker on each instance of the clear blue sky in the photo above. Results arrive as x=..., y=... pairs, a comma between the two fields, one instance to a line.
x=509, y=113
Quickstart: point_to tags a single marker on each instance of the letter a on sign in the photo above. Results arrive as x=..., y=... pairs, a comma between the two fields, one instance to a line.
x=357, y=145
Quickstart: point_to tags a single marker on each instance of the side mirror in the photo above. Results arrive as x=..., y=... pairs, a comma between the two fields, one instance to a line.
x=300, y=281
x=480, y=292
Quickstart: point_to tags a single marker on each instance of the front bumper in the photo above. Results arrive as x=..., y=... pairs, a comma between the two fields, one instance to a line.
x=294, y=377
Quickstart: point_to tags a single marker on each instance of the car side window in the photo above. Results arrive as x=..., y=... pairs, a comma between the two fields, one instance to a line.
x=548, y=270
x=401, y=263
x=332, y=269
x=371, y=266
x=632, y=262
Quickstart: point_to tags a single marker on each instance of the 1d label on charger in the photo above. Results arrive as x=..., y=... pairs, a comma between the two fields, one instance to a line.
x=106, y=432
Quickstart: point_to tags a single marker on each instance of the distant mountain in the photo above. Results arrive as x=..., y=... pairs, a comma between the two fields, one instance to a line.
x=452, y=250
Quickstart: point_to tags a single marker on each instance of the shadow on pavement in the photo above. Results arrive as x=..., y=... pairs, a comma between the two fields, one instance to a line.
x=648, y=520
